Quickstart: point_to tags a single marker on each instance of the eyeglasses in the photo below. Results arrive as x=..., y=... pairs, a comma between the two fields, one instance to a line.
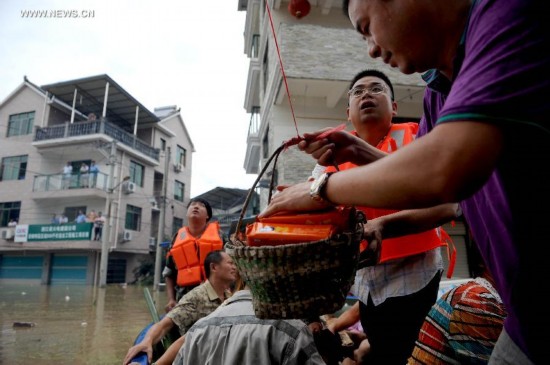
x=374, y=89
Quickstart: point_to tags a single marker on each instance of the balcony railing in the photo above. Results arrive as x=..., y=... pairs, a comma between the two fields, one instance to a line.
x=58, y=182
x=94, y=127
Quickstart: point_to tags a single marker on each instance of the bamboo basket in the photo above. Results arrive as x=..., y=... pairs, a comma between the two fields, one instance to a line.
x=299, y=280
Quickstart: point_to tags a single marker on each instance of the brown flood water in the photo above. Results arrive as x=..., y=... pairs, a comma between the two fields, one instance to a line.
x=73, y=324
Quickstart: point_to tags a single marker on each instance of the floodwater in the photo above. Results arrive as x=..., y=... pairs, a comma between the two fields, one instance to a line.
x=72, y=324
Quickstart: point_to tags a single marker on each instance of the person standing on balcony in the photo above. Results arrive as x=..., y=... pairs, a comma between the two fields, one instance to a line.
x=81, y=217
x=98, y=226
x=91, y=216
x=63, y=219
x=94, y=170
x=84, y=169
x=67, y=175
x=189, y=247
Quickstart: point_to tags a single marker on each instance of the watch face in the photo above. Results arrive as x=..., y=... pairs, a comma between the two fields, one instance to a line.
x=316, y=185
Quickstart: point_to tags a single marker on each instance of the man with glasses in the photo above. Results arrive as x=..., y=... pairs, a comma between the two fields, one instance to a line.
x=396, y=295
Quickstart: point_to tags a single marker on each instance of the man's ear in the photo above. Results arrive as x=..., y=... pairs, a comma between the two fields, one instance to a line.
x=394, y=108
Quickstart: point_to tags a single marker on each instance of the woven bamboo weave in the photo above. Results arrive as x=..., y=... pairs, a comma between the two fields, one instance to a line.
x=303, y=280
x=298, y=280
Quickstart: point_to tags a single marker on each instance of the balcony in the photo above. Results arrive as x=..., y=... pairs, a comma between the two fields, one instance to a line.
x=103, y=127
x=59, y=186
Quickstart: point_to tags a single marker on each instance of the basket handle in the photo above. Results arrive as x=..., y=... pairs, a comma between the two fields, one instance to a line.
x=274, y=156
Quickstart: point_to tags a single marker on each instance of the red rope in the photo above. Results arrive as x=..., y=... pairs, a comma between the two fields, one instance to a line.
x=295, y=140
x=282, y=68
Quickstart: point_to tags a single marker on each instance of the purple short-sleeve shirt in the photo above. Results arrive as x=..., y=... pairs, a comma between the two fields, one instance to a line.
x=502, y=77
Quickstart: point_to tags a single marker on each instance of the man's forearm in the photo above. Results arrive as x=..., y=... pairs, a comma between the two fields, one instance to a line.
x=158, y=331
x=171, y=352
x=417, y=220
x=170, y=288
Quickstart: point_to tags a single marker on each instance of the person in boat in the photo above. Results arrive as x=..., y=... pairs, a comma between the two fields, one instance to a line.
x=464, y=324
x=199, y=302
x=401, y=264
x=189, y=247
x=232, y=334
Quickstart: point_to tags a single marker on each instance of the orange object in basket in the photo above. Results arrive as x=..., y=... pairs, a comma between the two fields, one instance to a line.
x=337, y=217
x=273, y=234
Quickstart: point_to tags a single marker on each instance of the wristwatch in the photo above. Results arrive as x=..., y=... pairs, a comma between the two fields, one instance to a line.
x=317, y=188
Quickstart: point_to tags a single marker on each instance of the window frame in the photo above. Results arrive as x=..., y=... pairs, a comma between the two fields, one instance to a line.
x=176, y=188
x=17, y=121
x=9, y=212
x=136, y=177
x=177, y=223
x=133, y=216
x=21, y=171
x=181, y=155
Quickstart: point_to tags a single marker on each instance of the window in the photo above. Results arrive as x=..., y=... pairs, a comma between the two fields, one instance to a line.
x=20, y=124
x=266, y=68
x=8, y=211
x=136, y=173
x=162, y=144
x=133, y=218
x=179, y=190
x=72, y=212
x=181, y=155
x=255, y=47
x=13, y=168
x=177, y=223
x=265, y=144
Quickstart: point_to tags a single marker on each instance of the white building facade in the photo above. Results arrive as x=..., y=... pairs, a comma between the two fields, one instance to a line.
x=142, y=187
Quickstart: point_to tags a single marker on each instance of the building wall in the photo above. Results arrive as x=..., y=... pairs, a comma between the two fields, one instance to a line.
x=50, y=160
x=26, y=100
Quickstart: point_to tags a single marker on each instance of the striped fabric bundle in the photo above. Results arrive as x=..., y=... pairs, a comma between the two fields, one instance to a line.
x=462, y=327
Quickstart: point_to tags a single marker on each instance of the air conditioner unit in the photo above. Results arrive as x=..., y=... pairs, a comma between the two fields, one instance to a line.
x=129, y=187
x=7, y=234
x=127, y=236
x=178, y=167
x=155, y=206
x=152, y=241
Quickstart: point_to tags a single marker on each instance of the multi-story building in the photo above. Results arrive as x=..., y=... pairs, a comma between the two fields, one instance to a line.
x=142, y=186
x=320, y=53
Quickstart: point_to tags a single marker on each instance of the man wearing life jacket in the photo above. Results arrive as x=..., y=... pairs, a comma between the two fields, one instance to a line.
x=403, y=262
x=190, y=245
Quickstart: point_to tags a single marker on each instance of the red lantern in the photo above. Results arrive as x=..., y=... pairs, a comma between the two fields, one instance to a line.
x=299, y=8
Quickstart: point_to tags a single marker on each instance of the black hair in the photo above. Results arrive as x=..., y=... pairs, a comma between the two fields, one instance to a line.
x=345, y=8
x=213, y=257
x=375, y=73
x=203, y=202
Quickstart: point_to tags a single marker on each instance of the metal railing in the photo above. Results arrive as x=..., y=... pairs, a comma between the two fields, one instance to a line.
x=57, y=182
x=67, y=130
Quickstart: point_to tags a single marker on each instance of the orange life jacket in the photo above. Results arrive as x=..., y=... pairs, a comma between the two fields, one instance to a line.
x=189, y=253
x=412, y=244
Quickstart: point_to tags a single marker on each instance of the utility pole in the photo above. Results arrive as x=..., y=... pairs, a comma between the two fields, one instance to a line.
x=160, y=236
x=106, y=232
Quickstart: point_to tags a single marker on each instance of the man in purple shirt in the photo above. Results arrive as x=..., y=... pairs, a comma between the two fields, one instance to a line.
x=485, y=143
